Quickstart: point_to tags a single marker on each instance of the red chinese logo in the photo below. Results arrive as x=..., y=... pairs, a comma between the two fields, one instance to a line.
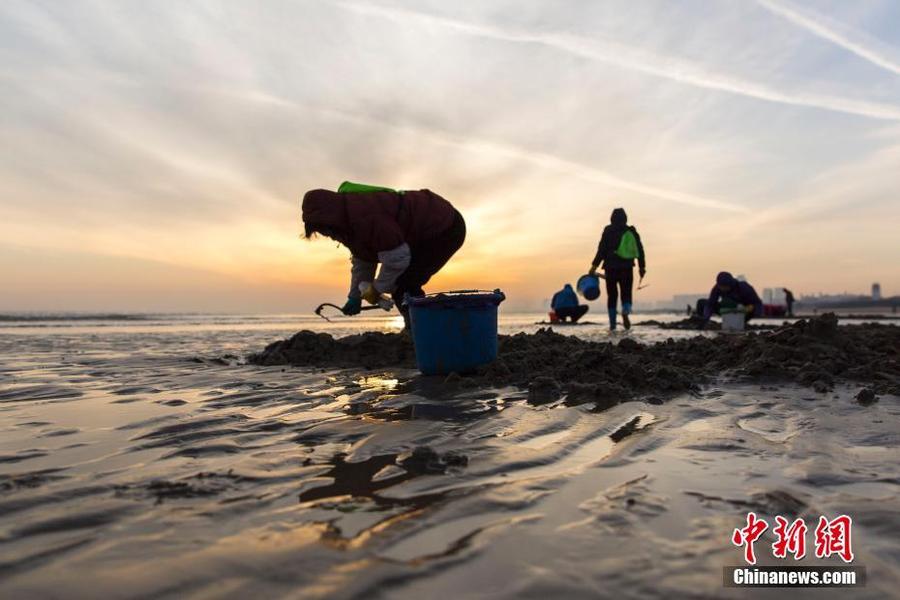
x=748, y=535
x=791, y=539
x=831, y=537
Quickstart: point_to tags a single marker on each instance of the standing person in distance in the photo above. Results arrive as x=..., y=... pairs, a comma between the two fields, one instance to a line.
x=619, y=246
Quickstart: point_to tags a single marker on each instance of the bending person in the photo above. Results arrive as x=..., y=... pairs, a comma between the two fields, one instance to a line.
x=411, y=234
x=619, y=245
x=730, y=292
x=565, y=305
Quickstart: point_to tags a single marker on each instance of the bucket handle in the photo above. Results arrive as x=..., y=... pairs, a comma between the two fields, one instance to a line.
x=469, y=291
x=495, y=291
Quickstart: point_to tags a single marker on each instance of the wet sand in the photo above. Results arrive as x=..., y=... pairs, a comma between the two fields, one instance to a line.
x=165, y=465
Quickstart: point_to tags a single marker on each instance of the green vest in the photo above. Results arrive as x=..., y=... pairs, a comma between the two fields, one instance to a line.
x=628, y=246
x=348, y=187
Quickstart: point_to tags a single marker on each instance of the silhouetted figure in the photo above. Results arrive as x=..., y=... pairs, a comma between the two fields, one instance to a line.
x=411, y=234
x=619, y=245
x=728, y=291
x=565, y=305
x=789, y=300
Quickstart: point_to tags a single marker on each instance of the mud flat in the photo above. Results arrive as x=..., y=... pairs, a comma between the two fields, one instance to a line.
x=815, y=353
x=154, y=465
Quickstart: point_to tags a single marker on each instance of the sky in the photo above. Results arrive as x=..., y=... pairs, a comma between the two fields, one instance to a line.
x=154, y=154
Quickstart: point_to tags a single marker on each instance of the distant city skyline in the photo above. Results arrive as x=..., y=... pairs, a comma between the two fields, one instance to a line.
x=769, y=295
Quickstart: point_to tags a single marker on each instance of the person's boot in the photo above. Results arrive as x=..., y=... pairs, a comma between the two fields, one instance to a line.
x=626, y=310
x=612, y=319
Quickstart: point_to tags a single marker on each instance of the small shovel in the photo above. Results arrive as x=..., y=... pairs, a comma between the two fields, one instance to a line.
x=324, y=304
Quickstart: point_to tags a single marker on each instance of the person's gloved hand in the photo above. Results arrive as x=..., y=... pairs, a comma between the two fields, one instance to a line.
x=370, y=294
x=642, y=272
x=352, y=306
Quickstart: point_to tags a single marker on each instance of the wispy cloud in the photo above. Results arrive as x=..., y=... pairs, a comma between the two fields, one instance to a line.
x=850, y=188
x=153, y=136
x=536, y=158
x=627, y=57
x=837, y=33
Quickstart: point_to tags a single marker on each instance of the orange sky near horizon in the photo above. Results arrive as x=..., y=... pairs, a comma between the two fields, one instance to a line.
x=163, y=170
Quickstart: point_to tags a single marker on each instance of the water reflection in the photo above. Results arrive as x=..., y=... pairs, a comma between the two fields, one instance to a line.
x=384, y=383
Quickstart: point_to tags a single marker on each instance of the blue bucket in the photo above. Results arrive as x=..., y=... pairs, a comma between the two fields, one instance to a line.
x=454, y=331
x=589, y=286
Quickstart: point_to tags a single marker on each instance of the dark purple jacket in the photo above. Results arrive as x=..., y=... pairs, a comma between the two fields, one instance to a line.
x=741, y=292
x=373, y=222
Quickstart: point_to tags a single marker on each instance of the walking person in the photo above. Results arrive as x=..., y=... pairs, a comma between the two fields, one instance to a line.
x=619, y=246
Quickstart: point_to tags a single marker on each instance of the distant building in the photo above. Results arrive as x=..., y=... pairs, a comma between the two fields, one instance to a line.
x=768, y=295
x=831, y=298
x=876, y=291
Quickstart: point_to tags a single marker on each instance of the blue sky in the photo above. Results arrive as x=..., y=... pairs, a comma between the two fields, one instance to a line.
x=155, y=153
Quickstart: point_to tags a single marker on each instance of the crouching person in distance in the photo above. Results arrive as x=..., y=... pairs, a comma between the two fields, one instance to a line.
x=565, y=305
x=730, y=292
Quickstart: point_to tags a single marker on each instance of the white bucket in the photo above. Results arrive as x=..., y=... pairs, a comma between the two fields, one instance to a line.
x=733, y=321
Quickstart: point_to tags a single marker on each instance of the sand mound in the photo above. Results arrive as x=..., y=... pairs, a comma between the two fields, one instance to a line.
x=370, y=350
x=815, y=352
x=691, y=323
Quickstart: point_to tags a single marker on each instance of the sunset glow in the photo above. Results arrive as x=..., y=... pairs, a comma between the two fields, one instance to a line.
x=155, y=154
